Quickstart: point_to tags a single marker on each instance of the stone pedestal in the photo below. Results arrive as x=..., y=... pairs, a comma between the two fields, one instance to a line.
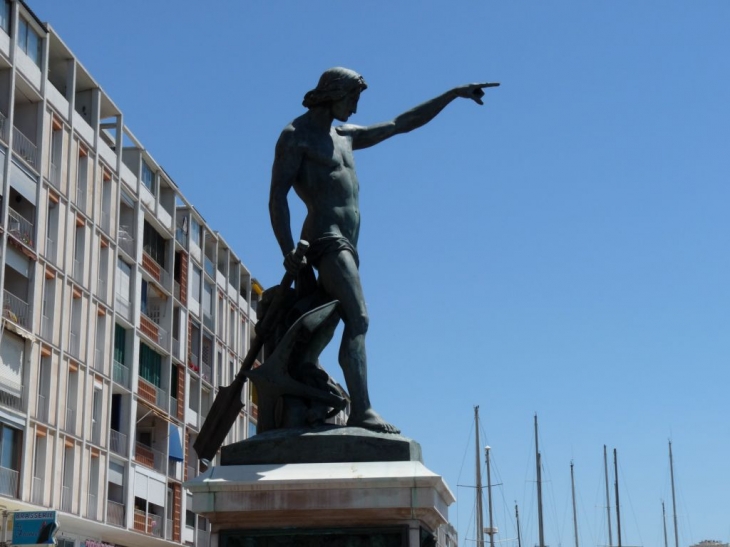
x=393, y=503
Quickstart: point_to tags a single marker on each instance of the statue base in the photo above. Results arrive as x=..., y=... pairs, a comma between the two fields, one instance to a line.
x=325, y=444
x=389, y=504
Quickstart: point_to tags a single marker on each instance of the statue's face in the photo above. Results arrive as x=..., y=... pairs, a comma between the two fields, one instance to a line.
x=347, y=106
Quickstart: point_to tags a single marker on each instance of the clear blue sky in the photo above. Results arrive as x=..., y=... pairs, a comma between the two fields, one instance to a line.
x=563, y=250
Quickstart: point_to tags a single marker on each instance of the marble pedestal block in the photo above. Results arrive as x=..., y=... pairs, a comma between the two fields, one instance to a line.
x=397, y=503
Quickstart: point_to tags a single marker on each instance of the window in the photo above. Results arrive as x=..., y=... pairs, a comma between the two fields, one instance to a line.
x=195, y=231
x=10, y=441
x=29, y=41
x=189, y=515
x=154, y=244
x=5, y=15
x=119, y=343
x=195, y=284
x=148, y=177
x=150, y=365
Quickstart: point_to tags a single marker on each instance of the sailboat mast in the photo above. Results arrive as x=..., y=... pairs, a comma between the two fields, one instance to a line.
x=618, y=511
x=575, y=516
x=608, y=496
x=664, y=520
x=674, y=500
x=517, y=518
x=538, y=465
x=480, y=511
x=489, y=497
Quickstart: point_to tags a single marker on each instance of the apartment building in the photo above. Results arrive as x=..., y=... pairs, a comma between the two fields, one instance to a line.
x=123, y=311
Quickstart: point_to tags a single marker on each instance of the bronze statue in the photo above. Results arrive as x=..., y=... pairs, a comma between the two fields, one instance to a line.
x=316, y=159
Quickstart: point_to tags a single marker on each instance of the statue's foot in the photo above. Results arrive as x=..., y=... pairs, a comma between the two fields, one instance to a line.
x=373, y=421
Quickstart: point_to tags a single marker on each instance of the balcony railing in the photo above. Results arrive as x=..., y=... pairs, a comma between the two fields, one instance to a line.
x=11, y=394
x=155, y=269
x=148, y=523
x=126, y=241
x=9, y=482
x=71, y=421
x=173, y=406
x=51, y=250
x=81, y=196
x=203, y=539
x=78, y=271
x=99, y=360
x=96, y=432
x=36, y=496
x=209, y=268
x=168, y=529
x=149, y=457
x=121, y=374
x=91, y=507
x=3, y=127
x=118, y=442
x=41, y=411
x=101, y=290
x=208, y=321
x=47, y=328
x=152, y=394
x=74, y=344
x=124, y=308
x=25, y=148
x=20, y=227
x=191, y=472
x=115, y=513
x=174, y=469
x=152, y=329
x=106, y=221
x=66, y=499
x=55, y=175
x=181, y=235
x=176, y=348
x=176, y=290
x=16, y=310
x=206, y=373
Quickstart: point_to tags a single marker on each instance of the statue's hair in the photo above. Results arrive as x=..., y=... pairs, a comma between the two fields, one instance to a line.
x=333, y=85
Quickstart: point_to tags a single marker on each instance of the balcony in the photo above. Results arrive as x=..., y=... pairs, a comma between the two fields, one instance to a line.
x=158, y=273
x=25, y=148
x=36, y=496
x=154, y=331
x=168, y=530
x=126, y=241
x=96, y=432
x=51, y=253
x=66, y=499
x=106, y=221
x=152, y=394
x=209, y=268
x=115, y=513
x=81, y=197
x=99, y=360
x=16, y=310
x=206, y=373
x=203, y=539
x=20, y=227
x=70, y=421
x=181, y=234
x=173, y=406
x=55, y=175
x=176, y=349
x=148, y=523
x=176, y=290
x=41, y=411
x=118, y=442
x=74, y=344
x=9, y=482
x=120, y=374
x=208, y=322
x=3, y=127
x=11, y=395
x=149, y=457
x=123, y=307
x=78, y=271
x=101, y=290
x=91, y=508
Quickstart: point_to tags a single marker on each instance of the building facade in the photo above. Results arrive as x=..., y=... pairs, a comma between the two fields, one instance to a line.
x=123, y=311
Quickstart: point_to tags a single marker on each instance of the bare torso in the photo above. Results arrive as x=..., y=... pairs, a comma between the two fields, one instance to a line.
x=327, y=184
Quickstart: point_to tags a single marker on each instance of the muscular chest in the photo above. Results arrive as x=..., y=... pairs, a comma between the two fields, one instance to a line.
x=331, y=152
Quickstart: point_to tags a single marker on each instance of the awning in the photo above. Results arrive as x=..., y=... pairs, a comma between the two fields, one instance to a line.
x=176, y=451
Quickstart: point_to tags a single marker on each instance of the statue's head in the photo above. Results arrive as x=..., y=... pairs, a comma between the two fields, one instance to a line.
x=334, y=84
